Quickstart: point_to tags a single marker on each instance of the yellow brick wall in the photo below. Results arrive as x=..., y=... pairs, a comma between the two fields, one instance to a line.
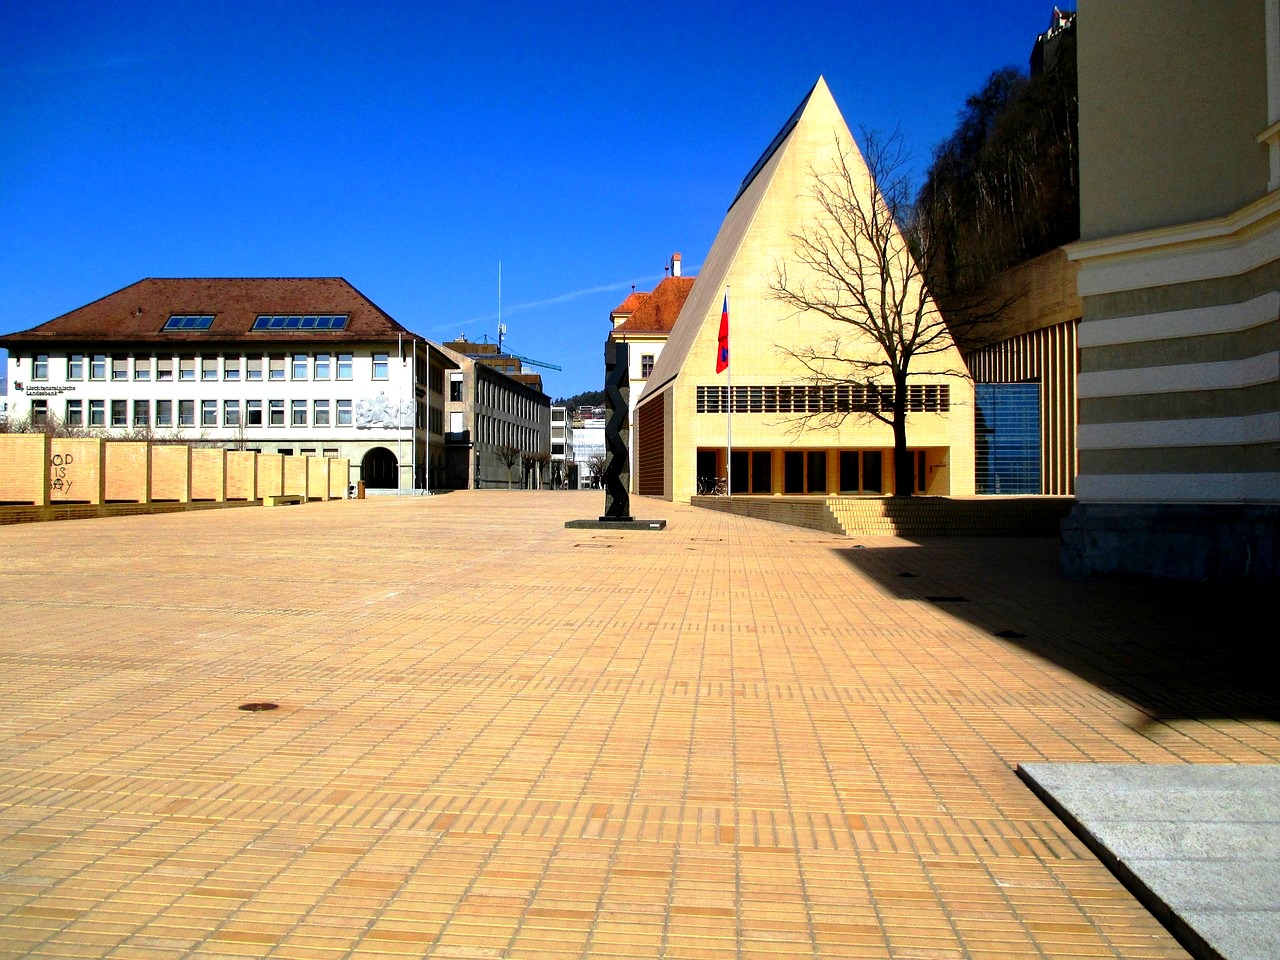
x=209, y=473
x=295, y=475
x=24, y=468
x=318, y=478
x=75, y=470
x=242, y=475
x=171, y=472
x=270, y=475
x=128, y=471
x=339, y=470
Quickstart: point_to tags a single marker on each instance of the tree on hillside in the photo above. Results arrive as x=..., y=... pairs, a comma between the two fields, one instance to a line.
x=1004, y=187
x=863, y=263
x=588, y=398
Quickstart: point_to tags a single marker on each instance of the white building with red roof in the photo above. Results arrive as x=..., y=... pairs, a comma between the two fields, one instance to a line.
x=644, y=322
x=307, y=366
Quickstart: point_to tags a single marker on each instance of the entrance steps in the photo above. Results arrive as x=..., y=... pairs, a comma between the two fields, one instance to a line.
x=905, y=516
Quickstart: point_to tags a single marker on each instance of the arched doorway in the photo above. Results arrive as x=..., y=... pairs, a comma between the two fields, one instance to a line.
x=378, y=469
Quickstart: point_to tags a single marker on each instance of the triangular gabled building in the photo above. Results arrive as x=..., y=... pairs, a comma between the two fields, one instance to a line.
x=778, y=447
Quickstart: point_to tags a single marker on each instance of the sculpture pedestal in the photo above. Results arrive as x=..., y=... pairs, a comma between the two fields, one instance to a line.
x=609, y=523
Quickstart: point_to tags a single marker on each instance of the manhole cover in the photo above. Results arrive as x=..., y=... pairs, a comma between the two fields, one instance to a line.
x=257, y=707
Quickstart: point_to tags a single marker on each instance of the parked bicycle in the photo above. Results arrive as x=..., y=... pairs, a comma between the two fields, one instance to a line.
x=712, y=486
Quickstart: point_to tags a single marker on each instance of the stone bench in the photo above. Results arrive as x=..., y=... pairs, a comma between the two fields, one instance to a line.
x=280, y=499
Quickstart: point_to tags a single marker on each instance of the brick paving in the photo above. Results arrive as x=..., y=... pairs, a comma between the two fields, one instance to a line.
x=500, y=738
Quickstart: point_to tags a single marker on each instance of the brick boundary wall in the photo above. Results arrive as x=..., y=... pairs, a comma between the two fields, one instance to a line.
x=127, y=469
x=71, y=478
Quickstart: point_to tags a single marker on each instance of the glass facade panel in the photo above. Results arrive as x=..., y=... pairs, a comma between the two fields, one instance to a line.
x=1007, y=437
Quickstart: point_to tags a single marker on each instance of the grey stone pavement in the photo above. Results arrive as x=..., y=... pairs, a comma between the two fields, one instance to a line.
x=1199, y=845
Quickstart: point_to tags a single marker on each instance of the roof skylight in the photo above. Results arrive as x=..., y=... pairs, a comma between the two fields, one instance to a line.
x=188, y=321
x=309, y=322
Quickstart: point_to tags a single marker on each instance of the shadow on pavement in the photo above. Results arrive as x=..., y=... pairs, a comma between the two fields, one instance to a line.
x=1175, y=650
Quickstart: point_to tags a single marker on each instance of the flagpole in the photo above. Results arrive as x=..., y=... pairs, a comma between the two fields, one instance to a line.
x=728, y=461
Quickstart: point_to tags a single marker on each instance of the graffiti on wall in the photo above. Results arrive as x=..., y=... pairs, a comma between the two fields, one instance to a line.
x=59, y=482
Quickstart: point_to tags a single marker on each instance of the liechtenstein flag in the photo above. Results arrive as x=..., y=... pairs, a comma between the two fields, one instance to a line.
x=722, y=353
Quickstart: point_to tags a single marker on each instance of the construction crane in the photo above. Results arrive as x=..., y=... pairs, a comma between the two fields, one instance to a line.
x=502, y=333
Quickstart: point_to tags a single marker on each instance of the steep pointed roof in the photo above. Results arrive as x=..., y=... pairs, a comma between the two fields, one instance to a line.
x=807, y=139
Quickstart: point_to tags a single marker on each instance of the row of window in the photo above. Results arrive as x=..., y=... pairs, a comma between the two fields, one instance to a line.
x=505, y=433
x=813, y=398
x=299, y=366
x=210, y=413
x=803, y=471
x=493, y=395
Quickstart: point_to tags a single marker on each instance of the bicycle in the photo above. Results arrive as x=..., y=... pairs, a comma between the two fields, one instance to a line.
x=713, y=486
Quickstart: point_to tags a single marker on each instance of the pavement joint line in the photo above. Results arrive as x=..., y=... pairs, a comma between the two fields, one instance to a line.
x=722, y=737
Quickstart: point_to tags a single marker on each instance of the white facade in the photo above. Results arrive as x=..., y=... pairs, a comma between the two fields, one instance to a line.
x=307, y=401
x=588, y=442
x=561, y=444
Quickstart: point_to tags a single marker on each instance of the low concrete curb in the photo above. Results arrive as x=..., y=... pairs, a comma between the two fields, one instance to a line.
x=1198, y=845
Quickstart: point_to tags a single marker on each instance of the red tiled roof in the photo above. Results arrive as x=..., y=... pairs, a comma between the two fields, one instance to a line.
x=632, y=303
x=658, y=312
x=137, y=312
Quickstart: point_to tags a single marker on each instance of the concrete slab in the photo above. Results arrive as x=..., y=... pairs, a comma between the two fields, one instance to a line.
x=624, y=525
x=1199, y=845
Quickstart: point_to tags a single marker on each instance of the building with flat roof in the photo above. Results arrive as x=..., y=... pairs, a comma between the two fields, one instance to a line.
x=1179, y=262
x=278, y=365
x=782, y=443
x=494, y=405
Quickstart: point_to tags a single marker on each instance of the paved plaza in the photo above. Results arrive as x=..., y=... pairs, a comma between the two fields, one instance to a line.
x=496, y=737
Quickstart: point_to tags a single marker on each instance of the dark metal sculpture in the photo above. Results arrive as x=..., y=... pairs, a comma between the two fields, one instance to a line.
x=617, y=467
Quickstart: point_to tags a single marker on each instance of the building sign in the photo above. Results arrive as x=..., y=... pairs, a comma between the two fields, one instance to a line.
x=45, y=389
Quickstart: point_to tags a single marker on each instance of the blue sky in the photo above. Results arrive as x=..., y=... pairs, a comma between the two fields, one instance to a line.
x=410, y=146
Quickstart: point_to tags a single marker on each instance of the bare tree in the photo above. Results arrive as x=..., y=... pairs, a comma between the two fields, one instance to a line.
x=509, y=456
x=863, y=263
x=596, y=464
x=535, y=468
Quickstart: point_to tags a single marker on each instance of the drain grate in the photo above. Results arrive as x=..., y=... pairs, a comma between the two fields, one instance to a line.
x=258, y=707
x=948, y=599
x=906, y=574
x=1010, y=635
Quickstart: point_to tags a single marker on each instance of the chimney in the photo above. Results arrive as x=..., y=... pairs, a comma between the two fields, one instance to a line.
x=675, y=264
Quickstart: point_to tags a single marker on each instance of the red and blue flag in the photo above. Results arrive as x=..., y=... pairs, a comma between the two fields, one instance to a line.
x=722, y=352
